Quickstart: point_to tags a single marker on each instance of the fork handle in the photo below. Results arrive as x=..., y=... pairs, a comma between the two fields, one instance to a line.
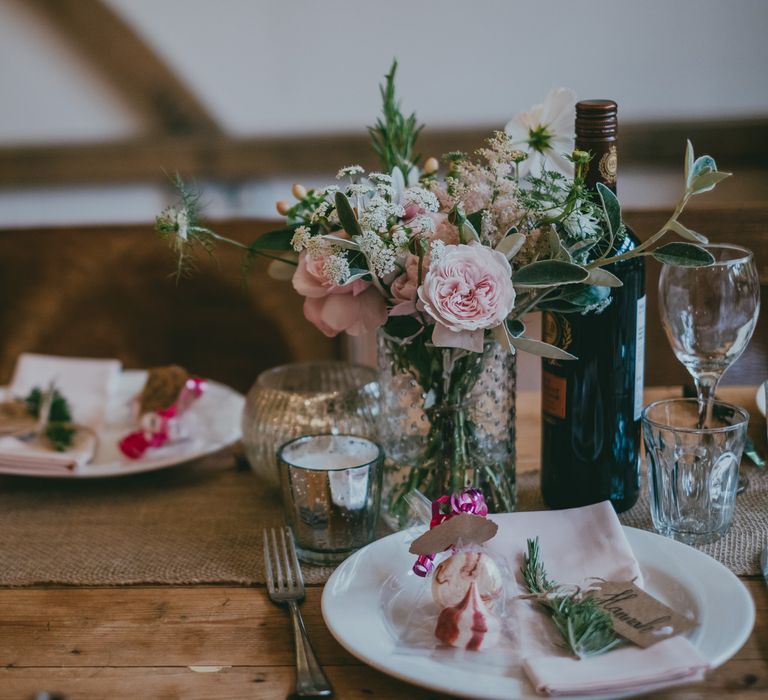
x=310, y=679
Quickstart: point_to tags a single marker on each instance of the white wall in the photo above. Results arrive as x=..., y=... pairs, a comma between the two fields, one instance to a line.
x=276, y=66
x=296, y=66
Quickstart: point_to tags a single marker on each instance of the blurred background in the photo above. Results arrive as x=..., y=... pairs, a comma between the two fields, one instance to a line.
x=103, y=100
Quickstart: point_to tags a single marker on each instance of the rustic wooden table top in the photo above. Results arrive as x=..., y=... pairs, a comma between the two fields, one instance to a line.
x=227, y=642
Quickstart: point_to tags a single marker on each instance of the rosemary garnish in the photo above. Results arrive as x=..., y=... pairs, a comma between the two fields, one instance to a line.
x=587, y=629
x=58, y=423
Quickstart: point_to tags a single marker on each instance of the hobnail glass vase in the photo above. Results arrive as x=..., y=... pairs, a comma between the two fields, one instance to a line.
x=306, y=398
x=447, y=422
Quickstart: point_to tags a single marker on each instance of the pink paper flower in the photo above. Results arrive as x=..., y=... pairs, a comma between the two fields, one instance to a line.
x=356, y=308
x=466, y=292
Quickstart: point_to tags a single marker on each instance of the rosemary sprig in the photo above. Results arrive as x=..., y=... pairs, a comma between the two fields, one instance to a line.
x=58, y=423
x=586, y=629
x=394, y=135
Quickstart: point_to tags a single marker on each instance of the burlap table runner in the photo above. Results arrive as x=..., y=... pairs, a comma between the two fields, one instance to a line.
x=201, y=524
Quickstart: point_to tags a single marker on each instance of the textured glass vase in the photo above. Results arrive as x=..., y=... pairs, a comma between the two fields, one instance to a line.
x=447, y=423
x=306, y=398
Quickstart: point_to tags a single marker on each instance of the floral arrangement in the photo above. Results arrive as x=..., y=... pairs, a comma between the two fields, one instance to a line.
x=445, y=263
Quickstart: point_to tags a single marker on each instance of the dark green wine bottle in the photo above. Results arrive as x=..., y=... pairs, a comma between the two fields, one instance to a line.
x=590, y=448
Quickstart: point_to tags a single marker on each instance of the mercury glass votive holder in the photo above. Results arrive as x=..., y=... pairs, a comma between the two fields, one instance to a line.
x=304, y=398
x=331, y=486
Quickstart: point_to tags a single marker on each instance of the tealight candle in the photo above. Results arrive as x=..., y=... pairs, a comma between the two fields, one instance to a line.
x=331, y=492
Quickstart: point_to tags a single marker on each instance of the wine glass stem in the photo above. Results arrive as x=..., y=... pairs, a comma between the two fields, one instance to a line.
x=706, y=384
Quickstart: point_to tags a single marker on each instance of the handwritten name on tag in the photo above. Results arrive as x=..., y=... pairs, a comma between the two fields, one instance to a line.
x=637, y=615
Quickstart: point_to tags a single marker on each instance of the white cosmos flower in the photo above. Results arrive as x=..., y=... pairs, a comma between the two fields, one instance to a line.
x=546, y=132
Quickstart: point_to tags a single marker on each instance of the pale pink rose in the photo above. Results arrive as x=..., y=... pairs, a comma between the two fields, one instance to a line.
x=444, y=231
x=468, y=291
x=403, y=289
x=355, y=308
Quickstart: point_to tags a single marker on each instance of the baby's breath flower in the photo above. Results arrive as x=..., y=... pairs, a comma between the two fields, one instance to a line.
x=349, y=171
x=316, y=246
x=358, y=190
x=320, y=211
x=336, y=268
x=380, y=178
x=380, y=257
x=436, y=252
x=421, y=224
x=424, y=199
x=400, y=238
x=300, y=238
x=328, y=190
x=377, y=214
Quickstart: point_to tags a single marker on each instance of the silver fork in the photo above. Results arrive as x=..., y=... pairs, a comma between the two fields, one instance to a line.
x=285, y=585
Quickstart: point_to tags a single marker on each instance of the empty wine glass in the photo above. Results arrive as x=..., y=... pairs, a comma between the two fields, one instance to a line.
x=709, y=314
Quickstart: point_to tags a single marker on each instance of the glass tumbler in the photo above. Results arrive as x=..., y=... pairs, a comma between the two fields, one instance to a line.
x=331, y=487
x=693, y=472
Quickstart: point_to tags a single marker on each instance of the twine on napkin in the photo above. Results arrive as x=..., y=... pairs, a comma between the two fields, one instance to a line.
x=201, y=524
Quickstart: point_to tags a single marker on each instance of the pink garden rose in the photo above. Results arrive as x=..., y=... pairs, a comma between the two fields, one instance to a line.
x=466, y=292
x=355, y=308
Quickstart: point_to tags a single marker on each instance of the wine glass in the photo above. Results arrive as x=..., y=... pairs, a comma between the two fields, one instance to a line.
x=709, y=314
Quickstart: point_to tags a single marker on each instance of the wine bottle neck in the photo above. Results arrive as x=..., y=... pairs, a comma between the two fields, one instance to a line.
x=596, y=129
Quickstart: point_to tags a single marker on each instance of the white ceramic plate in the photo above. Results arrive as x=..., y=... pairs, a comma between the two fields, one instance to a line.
x=214, y=420
x=675, y=573
x=760, y=398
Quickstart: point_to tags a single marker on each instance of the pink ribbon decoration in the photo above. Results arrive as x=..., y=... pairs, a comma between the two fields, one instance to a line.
x=444, y=508
x=162, y=426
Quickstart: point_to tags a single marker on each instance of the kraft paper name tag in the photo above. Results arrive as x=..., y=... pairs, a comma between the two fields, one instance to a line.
x=467, y=528
x=637, y=615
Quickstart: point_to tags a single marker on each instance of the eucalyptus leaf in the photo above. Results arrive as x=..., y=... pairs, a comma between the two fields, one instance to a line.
x=279, y=239
x=687, y=233
x=347, y=216
x=502, y=336
x=510, y=246
x=611, y=207
x=341, y=242
x=600, y=276
x=556, y=245
x=549, y=273
x=683, y=255
x=688, y=159
x=706, y=181
x=537, y=347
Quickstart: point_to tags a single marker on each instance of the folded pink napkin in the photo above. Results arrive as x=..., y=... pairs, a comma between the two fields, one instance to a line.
x=86, y=384
x=576, y=545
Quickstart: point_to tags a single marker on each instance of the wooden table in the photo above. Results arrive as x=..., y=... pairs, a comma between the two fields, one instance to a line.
x=226, y=642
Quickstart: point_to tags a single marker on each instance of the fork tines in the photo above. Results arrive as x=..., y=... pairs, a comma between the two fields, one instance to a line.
x=283, y=572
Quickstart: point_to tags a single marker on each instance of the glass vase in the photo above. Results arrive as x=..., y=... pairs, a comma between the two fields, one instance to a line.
x=305, y=398
x=447, y=422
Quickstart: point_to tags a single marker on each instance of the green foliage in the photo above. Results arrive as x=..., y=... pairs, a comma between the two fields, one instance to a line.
x=347, y=216
x=549, y=273
x=277, y=240
x=586, y=628
x=684, y=255
x=394, y=135
x=58, y=426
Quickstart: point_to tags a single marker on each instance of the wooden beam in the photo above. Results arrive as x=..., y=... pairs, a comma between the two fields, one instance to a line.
x=130, y=65
x=735, y=144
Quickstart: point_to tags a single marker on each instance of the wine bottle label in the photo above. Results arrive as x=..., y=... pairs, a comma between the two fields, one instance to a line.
x=640, y=357
x=553, y=393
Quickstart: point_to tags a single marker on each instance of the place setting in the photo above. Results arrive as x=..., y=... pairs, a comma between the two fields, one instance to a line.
x=477, y=493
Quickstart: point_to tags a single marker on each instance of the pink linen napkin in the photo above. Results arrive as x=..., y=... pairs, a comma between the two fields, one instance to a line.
x=86, y=384
x=576, y=545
